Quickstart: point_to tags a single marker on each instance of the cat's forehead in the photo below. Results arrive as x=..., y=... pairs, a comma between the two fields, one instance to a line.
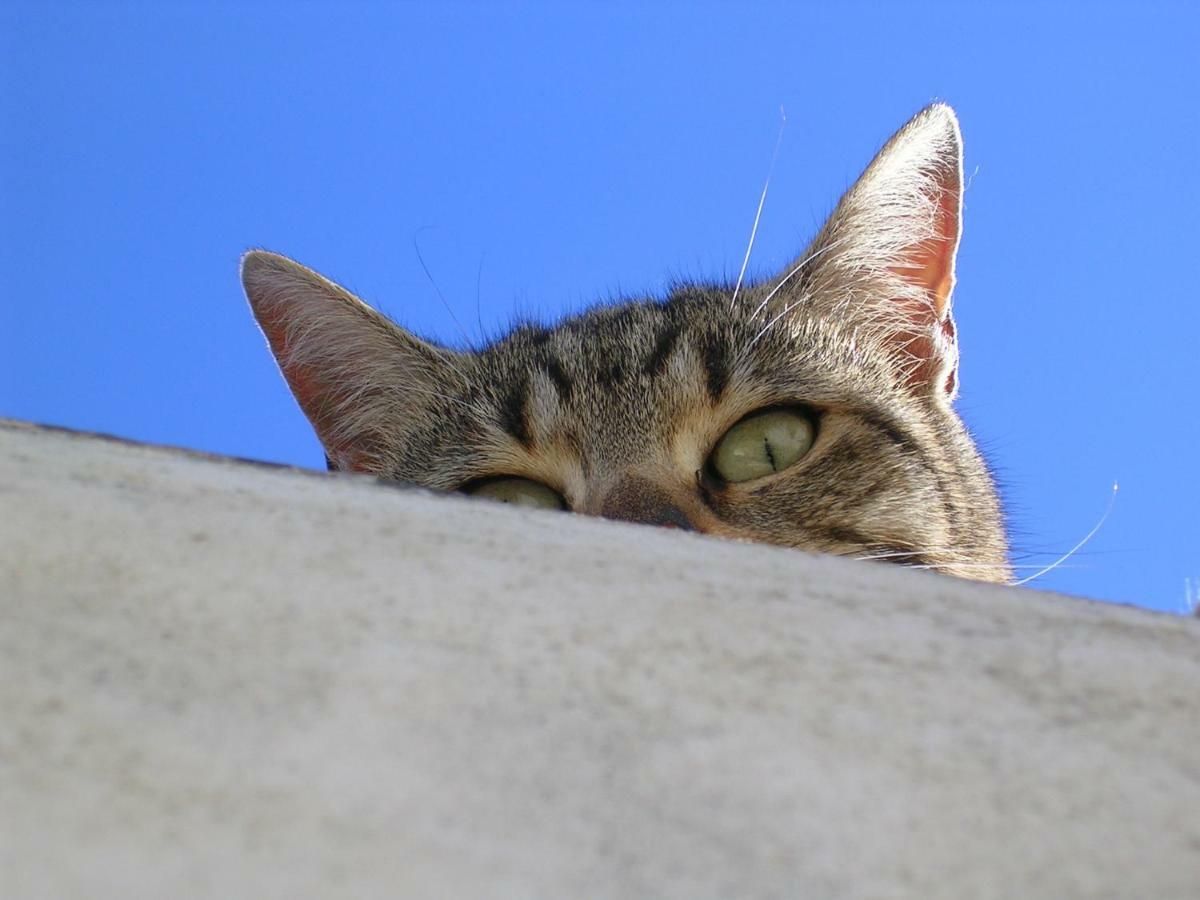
x=620, y=383
x=698, y=338
x=606, y=353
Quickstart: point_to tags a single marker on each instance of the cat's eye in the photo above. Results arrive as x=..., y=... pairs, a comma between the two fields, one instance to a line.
x=521, y=491
x=763, y=443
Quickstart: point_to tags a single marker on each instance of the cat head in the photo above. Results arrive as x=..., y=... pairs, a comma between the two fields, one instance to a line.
x=812, y=409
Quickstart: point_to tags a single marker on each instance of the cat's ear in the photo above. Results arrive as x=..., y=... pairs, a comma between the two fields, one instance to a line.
x=360, y=379
x=885, y=258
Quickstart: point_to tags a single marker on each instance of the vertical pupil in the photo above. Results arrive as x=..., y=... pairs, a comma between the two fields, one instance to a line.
x=770, y=455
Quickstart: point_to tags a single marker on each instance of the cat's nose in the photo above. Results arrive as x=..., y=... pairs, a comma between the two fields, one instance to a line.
x=637, y=499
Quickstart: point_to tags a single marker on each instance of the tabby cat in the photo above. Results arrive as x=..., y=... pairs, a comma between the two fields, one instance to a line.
x=812, y=409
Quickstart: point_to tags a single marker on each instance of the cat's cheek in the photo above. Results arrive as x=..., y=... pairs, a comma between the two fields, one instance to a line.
x=772, y=512
x=736, y=514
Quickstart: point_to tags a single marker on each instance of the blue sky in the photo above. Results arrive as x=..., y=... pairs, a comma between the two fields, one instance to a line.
x=545, y=157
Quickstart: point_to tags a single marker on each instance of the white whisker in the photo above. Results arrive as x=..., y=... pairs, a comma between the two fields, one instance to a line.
x=986, y=567
x=445, y=303
x=792, y=274
x=957, y=563
x=787, y=309
x=782, y=282
x=758, y=214
x=1087, y=537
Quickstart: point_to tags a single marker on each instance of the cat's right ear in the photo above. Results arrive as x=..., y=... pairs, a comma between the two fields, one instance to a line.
x=360, y=379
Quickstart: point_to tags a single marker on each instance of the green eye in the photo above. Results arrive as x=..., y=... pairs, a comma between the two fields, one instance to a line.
x=520, y=491
x=763, y=443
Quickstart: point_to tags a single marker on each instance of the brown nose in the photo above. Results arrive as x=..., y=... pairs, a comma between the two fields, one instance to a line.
x=634, y=499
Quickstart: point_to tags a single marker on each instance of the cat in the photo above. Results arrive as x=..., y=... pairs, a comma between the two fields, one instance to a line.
x=812, y=409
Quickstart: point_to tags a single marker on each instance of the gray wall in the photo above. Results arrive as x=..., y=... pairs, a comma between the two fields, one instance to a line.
x=220, y=679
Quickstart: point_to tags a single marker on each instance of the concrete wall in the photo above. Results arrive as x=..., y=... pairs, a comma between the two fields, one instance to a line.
x=220, y=679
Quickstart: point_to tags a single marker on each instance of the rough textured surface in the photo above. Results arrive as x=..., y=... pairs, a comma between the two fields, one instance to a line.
x=227, y=680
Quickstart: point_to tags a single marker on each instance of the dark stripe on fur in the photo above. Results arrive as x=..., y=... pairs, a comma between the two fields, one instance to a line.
x=557, y=374
x=513, y=415
x=889, y=426
x=656, y=363
x=715, y=355
x=610, y=376
x=846, y=535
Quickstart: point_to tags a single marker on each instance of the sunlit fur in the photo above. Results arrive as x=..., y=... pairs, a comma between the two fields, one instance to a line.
x=618, y=409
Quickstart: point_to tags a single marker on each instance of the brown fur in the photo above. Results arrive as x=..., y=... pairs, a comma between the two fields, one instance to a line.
x=618, y=409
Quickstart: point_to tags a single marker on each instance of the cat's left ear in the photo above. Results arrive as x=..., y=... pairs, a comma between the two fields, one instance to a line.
x=361, y=379
x=885, y=259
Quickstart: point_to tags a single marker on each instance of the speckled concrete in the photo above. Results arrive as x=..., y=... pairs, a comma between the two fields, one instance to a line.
x=221, y=680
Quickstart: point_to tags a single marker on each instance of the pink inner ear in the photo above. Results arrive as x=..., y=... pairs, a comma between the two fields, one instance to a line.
x=272, y=317
x=929, y=264
x=315, y=395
